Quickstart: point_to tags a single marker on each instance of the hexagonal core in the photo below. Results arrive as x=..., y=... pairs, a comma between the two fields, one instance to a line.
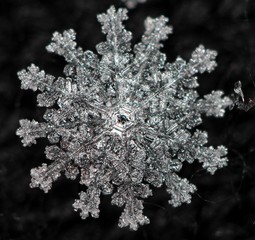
x=123, y=119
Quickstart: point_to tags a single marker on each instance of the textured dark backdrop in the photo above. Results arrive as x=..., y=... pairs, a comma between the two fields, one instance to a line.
x=224, y=205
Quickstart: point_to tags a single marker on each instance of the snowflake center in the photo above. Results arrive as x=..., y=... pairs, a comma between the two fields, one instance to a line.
x=123, y=120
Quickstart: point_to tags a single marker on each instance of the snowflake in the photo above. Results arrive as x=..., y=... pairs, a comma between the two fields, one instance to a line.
x=132, y=3
x=123, y=121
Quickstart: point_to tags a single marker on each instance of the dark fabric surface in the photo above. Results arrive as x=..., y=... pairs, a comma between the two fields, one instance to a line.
x=223, y=207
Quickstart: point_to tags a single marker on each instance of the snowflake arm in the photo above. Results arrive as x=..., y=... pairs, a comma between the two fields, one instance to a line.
x=35, y=79
x=212, y=158
x=44, y=176
x=65, y=45
x=214, y=104
x=147, y=52
x=179, y=189
x=29, y=131
x=118, y=38
x=88, y=203
x=128, y=195
x=202, y=60
x=115, y=51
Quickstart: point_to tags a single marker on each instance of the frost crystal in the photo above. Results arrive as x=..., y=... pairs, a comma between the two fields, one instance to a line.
x=132, y=3
x=239, y=100
x=123, y=121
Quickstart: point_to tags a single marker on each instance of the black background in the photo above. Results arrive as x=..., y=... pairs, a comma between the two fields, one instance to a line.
x=224, y=205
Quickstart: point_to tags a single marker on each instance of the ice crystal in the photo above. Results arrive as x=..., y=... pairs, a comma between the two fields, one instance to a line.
x=132, y=3
x=239, y=99
x=123, y=121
